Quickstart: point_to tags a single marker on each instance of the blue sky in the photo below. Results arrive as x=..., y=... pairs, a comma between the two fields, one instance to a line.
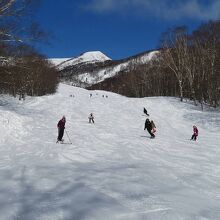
x=118, y=28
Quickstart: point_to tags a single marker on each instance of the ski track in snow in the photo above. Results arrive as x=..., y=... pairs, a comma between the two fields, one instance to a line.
x=113, y=170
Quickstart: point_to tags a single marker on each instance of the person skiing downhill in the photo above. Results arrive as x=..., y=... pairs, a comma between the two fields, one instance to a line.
x=61, y=127
x=195, y=133
x=148, y=126
x=91, y=118
x=145, y=112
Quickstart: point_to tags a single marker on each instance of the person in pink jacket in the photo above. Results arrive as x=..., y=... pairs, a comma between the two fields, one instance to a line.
x=195, y=133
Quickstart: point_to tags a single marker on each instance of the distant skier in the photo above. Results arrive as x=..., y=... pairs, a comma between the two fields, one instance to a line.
x=145, y=112
x=195, y=133
x=61, y=127
x=90, y=95
x=148, y=126
x=91, y=118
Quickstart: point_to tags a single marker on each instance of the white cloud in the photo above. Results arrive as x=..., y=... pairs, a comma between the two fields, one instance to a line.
x=165, y=9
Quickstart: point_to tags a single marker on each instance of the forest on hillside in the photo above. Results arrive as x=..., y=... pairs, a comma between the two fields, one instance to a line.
x=186, y=66
x=23, y=70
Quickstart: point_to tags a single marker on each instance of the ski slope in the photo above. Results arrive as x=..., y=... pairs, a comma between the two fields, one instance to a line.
x=113, y=170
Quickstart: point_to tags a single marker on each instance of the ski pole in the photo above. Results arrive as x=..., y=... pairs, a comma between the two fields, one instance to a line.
x=68, y=137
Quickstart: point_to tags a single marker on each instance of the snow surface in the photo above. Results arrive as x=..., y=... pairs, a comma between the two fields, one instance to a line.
x=113, y=170
x=58, y=61
x=88, y=57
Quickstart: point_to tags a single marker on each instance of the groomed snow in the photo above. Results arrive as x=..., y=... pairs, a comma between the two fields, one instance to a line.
x=113, y=170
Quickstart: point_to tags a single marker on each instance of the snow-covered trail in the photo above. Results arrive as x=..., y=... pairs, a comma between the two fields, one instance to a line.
x=113, y=170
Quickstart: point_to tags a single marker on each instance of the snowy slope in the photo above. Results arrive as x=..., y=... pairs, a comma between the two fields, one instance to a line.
x=113, y=170
x=88, y=57
x=58, y=61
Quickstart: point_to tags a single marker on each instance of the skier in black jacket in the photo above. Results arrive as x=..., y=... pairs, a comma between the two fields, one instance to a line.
x=61, y=127
x=148, y=126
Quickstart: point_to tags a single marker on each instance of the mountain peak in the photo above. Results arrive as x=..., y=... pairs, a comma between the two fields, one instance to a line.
x=87, y=57
x=94, y=55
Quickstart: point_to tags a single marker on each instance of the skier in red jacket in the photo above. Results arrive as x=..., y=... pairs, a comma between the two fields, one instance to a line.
x=61, y=127
x=195, y=133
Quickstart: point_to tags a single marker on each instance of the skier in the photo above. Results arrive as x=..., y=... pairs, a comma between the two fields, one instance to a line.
x=148, y=126
x=153, y=127
x=61, y=127
x=145, y=112
x=91, y=118
x=195, y=133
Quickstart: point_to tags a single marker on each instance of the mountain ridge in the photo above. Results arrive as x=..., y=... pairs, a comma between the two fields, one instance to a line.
x=88, y=72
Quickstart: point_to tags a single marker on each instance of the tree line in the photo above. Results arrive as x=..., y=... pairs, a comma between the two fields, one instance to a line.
x=194, y=59
x=187, y=65
x=23, y=70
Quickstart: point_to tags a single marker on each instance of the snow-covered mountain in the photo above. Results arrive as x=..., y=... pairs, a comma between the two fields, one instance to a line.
x=94, y=67
x=110, y=71
x=113, y=170
x=88, y=57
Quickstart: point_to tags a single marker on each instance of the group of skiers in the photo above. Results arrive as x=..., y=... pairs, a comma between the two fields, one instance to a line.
x=151, y=128
x=61, y=126
x=149, y=125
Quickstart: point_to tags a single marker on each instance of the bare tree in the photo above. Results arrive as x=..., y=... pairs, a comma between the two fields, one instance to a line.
x=174, y=54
